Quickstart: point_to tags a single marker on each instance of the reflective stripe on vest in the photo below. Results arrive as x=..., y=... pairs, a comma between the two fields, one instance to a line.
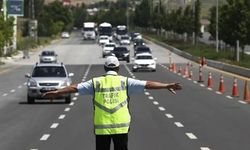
x=111, y=105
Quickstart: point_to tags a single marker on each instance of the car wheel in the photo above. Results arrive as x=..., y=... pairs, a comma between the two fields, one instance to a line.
x=68, y=99
x=103, y=56
x=128, y=60
x=154, y=70
x=134, y=70
x=30, y=100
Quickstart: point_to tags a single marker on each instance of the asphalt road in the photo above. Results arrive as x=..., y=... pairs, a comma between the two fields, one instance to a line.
x=194, y=119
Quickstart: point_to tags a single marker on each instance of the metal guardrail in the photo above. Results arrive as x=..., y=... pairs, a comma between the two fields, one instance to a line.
x=212, y=63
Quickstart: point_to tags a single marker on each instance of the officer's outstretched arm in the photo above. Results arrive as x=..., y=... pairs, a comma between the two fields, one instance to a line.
x=69, y=89
x=158, y=85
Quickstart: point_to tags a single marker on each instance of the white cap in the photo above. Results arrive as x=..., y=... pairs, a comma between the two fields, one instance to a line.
x=112, y=62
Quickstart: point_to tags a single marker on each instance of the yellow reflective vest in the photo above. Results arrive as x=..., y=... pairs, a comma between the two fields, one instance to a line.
x=111, y=114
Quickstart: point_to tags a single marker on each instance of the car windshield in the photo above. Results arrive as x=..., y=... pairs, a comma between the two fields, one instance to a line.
x=48, y=53
x=142, y=49
x=49, y=71
x=103, y=38
x=121, y=49
x=124, y=37
x=144, y=57
x=109, y=45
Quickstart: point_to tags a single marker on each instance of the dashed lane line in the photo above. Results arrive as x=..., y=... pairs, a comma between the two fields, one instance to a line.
x=54, y=125
x=217, y=92
x=74, y=98
x=242, y=102
x=191, y=136
x=71, y=104
x=229, y=97
x=45, y=137
x=76, y=94
x=67, y=109
x=161, y=108
x=61, y=116
x=147, y=93
x=210, y=89
x=25, y=83
x=202, y=85
x=169, y=116
x=20, y=86
x=86, y=73
x=5, y=94
x=178, y=124
x=13, y=90
x=155, y=103
x=151, y=97
x=205, y=148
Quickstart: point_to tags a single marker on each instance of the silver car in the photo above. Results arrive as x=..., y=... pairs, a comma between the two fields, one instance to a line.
x=47, y=77
x=48, y=57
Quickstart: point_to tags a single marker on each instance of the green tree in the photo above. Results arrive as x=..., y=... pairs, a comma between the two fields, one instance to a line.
x=142, y=14
x=6, y=32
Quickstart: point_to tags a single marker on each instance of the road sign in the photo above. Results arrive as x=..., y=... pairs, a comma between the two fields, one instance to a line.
x=15, y=7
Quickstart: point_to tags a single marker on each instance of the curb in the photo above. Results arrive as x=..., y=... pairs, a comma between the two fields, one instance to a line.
x=212, y=63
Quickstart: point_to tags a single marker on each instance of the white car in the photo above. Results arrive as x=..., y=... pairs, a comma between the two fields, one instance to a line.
x=144, y=61
x=107, y=49
x=65, y=35
x=125, y=40
x=103, y=39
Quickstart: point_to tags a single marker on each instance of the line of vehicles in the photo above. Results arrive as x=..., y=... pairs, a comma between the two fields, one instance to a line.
x=116, y=42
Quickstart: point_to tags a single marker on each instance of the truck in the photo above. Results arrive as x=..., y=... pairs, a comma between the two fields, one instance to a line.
x=88, y=31
x=105, y=28
x=121, y=30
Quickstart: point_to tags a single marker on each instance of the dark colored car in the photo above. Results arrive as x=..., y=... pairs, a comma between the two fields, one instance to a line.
x=122, y=53
x=138, y=42
x=142, y=49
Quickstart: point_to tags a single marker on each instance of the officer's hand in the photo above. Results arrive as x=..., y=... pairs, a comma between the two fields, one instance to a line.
x=50, y=95
x=172, y=87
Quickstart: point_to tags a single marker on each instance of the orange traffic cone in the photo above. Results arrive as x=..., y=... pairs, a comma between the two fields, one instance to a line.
x=185, y=72
x=210, y=81
x=200, y=74
x=235, y=91
x=221, y=86
x=246, y=93
x=190, y=75
x=174, y=68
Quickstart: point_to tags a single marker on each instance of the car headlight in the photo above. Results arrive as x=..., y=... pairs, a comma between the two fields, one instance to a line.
x=126, y=54
x=66, y=83
x=32, y=83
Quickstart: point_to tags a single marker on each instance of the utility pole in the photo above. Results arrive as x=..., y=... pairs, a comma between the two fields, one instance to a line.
x=193, y=4
x=127, y=15
x=217, y=26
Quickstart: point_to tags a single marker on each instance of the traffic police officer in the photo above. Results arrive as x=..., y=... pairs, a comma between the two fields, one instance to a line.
x=111, y=93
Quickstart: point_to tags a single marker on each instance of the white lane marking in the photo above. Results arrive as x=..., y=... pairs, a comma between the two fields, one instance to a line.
x=189, y=79
x=205, y=148
x=71, y=104
x=74, y=98
x=76, y=94
x=155, y=103
x=242, y=102
x=13, y=90
x=202, y=85
x=33, y=149
x=178, y=124
x=54, y=125
x=5, y=94
x=67, y=109
x=25, y=83
x=195, y=82
x=169, y=115
x=45, y=137
x=161, y=108
x=151, y=97
x=218, y=92
x=61, y=117
x=147, y=93
x=20, y=86
x=86, y=73
x=210, y=89
x=191, y=136
x=229, y=97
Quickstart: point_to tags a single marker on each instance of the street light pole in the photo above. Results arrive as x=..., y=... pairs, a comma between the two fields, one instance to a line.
x=217, y=28
x=193, y=3
x=127, y=15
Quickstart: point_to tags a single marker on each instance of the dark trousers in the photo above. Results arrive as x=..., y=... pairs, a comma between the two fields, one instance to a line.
x=120, y=142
